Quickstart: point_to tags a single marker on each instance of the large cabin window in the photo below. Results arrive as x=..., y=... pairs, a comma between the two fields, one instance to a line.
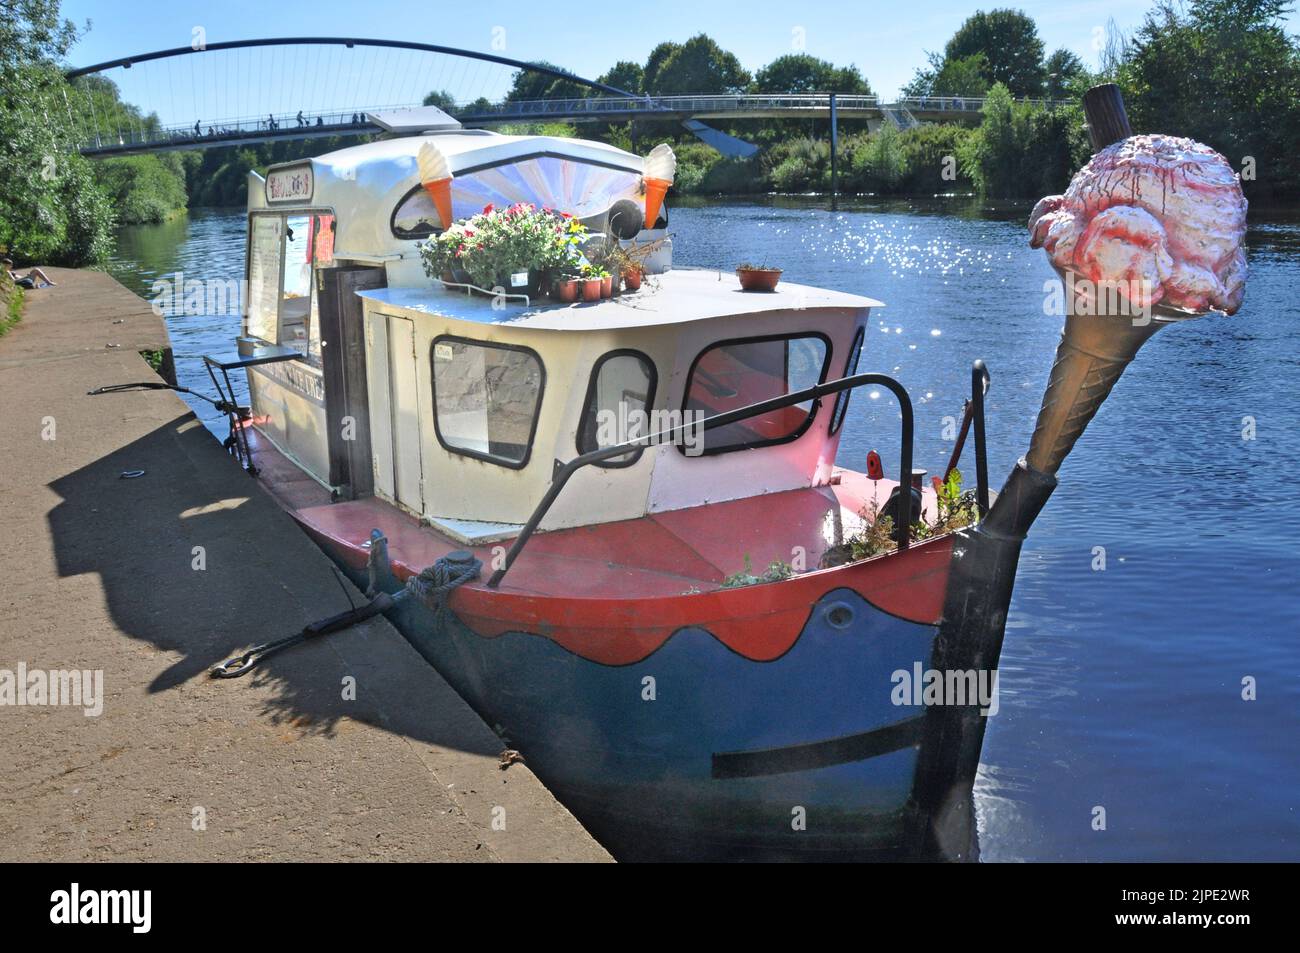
x=734, y=374
x=486, y=399
x=619, y=397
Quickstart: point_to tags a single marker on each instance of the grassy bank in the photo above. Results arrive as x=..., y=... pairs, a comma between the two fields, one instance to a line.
x=11, y=303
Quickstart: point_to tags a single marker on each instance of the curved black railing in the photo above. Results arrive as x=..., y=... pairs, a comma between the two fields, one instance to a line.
x=672, y=435
x=979, y=385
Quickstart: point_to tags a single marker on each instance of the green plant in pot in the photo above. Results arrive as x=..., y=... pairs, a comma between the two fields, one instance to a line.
x=592, y=281
x=757, y=277
x=516, y=248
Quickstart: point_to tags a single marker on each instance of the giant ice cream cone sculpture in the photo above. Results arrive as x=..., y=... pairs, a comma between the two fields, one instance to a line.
x=1151, y=231
x=435, y=176
x=660, y=168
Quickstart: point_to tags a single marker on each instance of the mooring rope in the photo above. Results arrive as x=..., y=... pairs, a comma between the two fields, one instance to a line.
x=434, y=584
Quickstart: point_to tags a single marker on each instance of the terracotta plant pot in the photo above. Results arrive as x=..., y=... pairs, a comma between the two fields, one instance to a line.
x=758, y=279
x=632, y=280
x=607, y=286
x=591, y=289
x=566, y=290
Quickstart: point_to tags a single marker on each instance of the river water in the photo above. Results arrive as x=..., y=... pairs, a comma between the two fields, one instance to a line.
x=1121, y=687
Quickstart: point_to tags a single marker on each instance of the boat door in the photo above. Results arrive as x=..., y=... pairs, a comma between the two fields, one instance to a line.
x=392, y=381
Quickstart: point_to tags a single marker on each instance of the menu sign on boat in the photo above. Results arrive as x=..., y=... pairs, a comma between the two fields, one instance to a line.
x=289, y=184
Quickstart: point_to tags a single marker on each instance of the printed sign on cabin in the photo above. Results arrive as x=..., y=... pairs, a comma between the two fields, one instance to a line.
x=292, y=184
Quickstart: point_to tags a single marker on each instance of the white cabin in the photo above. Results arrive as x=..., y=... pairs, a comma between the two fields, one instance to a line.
x=456, y=408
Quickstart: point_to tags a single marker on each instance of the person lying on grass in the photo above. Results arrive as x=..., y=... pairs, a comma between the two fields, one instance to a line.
x=32, y=280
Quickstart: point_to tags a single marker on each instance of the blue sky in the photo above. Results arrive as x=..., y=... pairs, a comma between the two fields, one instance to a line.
x=887, y=41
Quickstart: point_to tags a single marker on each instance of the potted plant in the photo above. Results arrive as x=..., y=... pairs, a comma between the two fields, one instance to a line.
x=515, y=248
x=627, y=265
x=564, y=287
x=591, y=283
x=606, y=283
x=757, y=277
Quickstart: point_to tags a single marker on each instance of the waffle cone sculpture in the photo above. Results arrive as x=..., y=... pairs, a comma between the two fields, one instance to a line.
x=1093, y=353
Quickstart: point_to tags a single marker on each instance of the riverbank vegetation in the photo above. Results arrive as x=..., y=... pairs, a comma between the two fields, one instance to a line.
x=1221, y=71
x=11, y=302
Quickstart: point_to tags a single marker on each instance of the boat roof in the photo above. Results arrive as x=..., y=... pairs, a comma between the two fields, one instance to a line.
x=364, y=183
x=675, y=297
x=466, y=148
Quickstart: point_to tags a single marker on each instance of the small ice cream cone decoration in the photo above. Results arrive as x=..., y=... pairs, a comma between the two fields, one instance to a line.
x=435, y=176
x=660, y=168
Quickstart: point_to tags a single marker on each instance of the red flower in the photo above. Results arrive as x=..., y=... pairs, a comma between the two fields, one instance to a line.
x=565, y=215
x=487, y=209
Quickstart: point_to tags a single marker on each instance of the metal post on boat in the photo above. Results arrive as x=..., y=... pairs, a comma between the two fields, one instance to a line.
x=835, y=171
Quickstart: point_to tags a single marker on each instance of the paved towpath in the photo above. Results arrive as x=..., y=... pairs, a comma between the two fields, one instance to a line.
x=99, y=573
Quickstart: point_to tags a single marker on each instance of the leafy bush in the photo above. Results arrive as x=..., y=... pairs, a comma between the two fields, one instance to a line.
x=145, y=189
x=1023, y=150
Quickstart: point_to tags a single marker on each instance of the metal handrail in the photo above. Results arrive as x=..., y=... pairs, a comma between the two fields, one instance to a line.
x=979, y=385
x=814, y=393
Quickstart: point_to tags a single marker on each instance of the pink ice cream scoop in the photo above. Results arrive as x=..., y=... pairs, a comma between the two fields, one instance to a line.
x=1161, y=217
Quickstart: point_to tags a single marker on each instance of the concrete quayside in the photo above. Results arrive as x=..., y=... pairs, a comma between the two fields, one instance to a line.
x=128, y=589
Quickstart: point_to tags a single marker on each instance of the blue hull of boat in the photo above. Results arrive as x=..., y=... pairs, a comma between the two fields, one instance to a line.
x=697, y=752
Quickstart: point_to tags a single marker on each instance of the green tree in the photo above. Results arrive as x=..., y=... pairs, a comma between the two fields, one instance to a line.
x=1224, y=72
x=1009, y=41
x=530, y=84
x=964, y=76
x=442, y=99
x=654, y=64
x=1022, y=150
x=801, y=73
x=1061, y=72
x=697, y=66
x=625, y=75
x=51, y=208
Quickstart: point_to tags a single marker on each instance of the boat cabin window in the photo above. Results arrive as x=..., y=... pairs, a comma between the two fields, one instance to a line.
x=295, y=283
x=486, y=399
x=850, y=368
x=621, y=391
x=283, y=251
x=734, y=374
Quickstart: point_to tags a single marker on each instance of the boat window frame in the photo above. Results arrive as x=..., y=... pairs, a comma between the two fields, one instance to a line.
x=758, y=339
x=651, y=389
x=537, y=407
x=512, y=160
x=311, y=211
x=851, y=362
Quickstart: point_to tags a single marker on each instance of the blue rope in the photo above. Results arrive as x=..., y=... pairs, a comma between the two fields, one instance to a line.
x=434, y=584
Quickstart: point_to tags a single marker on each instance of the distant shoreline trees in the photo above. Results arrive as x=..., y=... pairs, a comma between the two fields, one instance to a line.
x=1224, y=72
